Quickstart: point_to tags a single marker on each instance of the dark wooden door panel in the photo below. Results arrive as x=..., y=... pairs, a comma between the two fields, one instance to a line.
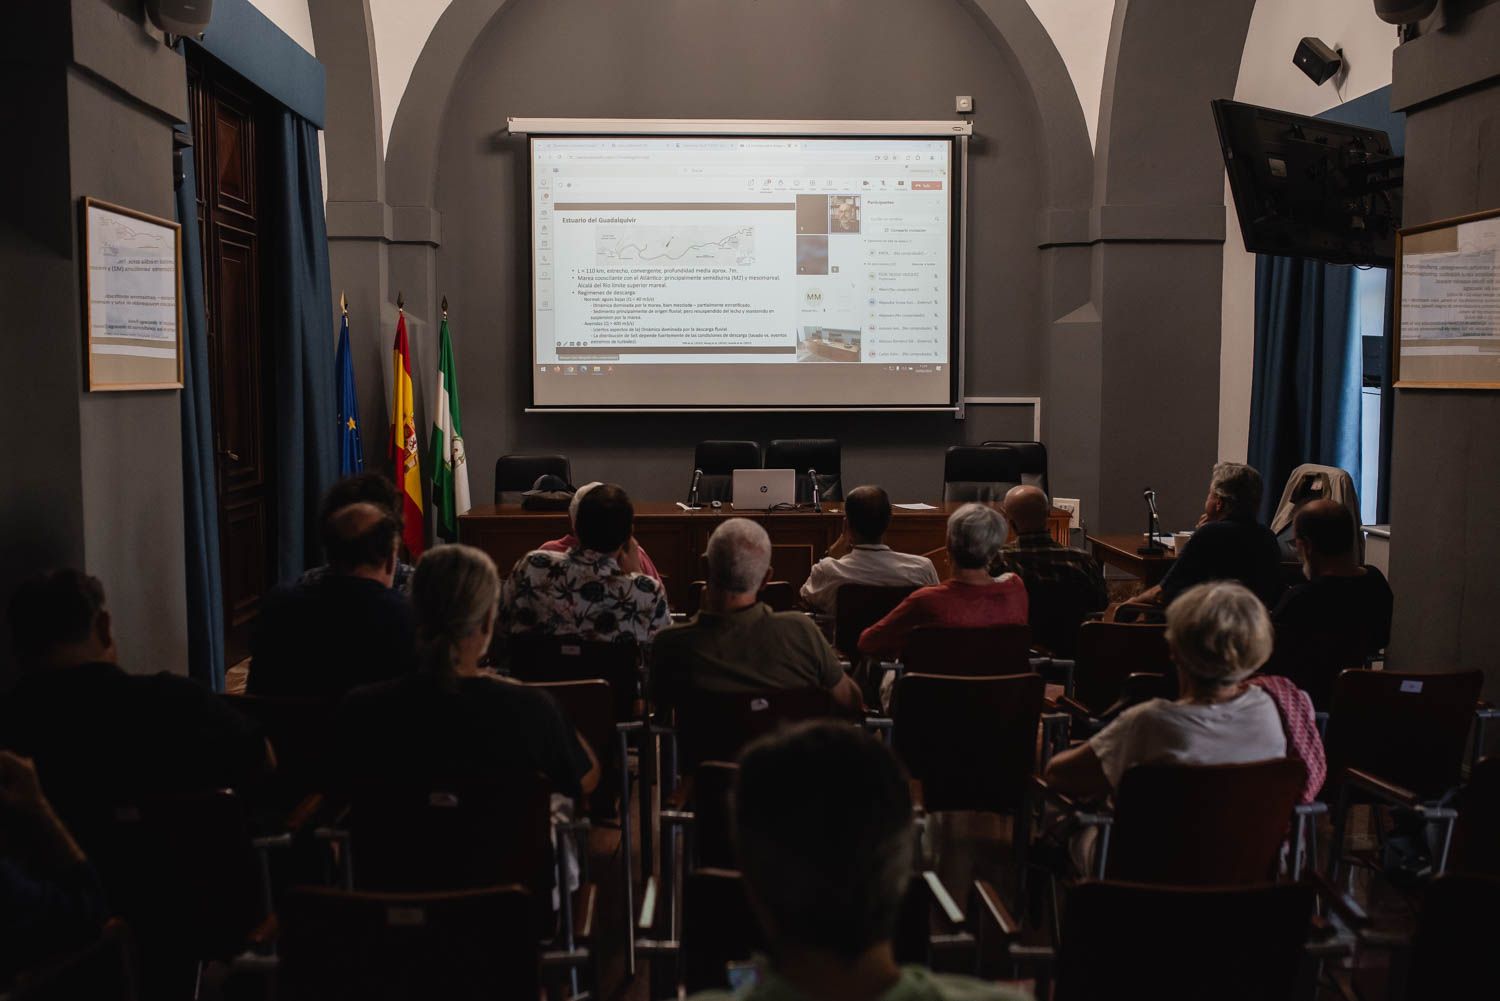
x=225, y=114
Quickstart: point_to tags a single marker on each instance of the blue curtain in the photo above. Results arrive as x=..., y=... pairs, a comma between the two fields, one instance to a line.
x=200, y=498
x=301, y=337
x=1304, y=404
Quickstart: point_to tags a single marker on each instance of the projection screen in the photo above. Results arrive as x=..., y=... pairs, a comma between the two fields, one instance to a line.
x=746, y=271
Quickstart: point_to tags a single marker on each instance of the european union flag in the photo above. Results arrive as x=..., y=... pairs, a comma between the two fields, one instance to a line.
x=351, y=450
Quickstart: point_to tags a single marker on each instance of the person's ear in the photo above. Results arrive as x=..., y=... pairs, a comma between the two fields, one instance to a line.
x=767, y=578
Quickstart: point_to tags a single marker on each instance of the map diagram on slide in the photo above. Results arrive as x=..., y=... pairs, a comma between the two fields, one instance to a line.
x=669, y=246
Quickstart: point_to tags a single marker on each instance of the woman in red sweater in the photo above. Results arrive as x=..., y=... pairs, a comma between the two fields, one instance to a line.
x=971, y=598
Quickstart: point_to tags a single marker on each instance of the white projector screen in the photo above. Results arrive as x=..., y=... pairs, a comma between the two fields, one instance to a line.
x=743, y=272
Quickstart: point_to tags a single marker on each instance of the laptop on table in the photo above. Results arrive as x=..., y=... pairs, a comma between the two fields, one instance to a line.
x=762, y=489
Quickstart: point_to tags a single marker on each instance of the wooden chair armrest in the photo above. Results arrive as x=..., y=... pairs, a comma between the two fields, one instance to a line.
x=585, y=903
x=1051, y=795
x=304, y=812
x=264, y=935
x=953, y=915
x=986, y=903
x=1379, y=787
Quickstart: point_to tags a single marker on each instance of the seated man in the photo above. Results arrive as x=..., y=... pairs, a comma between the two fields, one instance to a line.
x=736, y=643
x=1219, y=635
x=1341, y=599
x=1229, y=543
x=1062, y=585
x=346, y=627
x=584, y=591
x=824, y=832
x=633, y=558
x=970, y=599
x=859, y=557
x=371, y=488
x=97, y=734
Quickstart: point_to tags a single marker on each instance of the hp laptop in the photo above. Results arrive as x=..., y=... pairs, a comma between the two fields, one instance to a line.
x=760, y=489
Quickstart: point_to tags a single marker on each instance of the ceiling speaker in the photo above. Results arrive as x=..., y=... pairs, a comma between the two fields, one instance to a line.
x=1404, y=11
x=180, y=17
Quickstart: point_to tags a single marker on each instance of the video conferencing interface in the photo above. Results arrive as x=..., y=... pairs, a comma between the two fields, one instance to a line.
x=708, y=272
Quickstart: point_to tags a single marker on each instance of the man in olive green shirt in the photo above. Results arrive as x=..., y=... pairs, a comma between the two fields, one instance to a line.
x=736, y=643
x=823, y=826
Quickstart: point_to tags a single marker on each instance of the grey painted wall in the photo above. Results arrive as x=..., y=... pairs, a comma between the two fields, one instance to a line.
x=774, y=59
x=95, y=480
x=1445, y=463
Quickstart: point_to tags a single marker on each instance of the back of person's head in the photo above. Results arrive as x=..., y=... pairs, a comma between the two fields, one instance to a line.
x=57, y=610
x=1026, y=506
x=605, y=518
x=368, y=488
x=975, y=534
x=577, y=497
x=739, y=556
x=868, y=510
x=1238, y=486
x=823, y=828
x=359, y=536
x=1219, y=633
x=455, y=592
x=1326, y=527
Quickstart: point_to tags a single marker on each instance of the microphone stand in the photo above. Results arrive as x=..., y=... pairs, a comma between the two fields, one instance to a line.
x=692, y=502
x=812, y=476
x=1153, y=527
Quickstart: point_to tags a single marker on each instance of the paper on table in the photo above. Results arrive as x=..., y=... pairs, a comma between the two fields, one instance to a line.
x=915, y=507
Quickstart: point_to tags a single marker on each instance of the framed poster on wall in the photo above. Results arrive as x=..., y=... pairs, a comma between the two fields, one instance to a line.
x=132, y=298
x=1447, y=322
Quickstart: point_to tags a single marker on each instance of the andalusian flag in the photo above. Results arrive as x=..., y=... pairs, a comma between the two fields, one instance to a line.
x=450, y=473
x=408, y=465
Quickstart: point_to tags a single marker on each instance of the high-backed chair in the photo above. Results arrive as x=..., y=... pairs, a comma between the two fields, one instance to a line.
x=802, y=454
x=515, y=474
x=1313, y=658
x=976, y=652
x=857, y=607
x=1032, y=459
x=1109, y=653
x=979, y=472
x=716, y=725
x=466, y=944
x=719, y=460
x=1310, y=482
x=779, y=595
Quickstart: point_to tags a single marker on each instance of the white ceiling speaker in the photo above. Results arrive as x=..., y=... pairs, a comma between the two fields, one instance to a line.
x=180, y=17
x=1404, y=11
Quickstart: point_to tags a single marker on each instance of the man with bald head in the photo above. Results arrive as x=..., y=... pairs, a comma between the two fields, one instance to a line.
x=1062, y=585
x=859, y=556
x=347, y=627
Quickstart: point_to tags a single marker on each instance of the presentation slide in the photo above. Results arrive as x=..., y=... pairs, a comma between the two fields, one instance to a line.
x=742, y=272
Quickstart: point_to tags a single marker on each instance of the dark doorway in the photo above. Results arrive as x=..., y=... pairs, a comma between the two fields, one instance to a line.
x=225, y=114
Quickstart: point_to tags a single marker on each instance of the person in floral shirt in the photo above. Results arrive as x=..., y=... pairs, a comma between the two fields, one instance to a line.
x=583, y=592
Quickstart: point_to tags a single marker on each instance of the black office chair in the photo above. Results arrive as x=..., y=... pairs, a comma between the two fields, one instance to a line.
x=1032, y=456
x=719, y=460
x=515, y=474
x=802, y=454
x=979, y=472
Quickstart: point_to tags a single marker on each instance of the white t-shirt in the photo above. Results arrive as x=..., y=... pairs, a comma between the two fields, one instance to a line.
x=865, y=565
x=1244, y=729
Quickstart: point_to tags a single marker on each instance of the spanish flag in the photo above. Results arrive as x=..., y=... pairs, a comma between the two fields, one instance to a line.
x=404, y=444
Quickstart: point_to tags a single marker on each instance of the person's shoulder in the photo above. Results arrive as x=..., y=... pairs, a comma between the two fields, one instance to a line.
x=794, y=622
x=1373, y=578
x=539, y=559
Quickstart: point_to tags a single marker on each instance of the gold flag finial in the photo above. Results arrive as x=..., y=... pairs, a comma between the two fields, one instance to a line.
x=445, y=307
x=400, y=302
x=343, y=304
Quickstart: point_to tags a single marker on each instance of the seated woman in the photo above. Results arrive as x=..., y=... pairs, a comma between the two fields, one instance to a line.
x=1219, y=635
x=449, y=718
x=970, y=599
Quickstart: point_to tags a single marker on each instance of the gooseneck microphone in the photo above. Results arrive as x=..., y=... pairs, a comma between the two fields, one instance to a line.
x=693, y=490
x=812, y=476
x=1153, y=525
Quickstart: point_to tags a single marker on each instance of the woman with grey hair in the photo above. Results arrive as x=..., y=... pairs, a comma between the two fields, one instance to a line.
x=970, y=599
x=1219, y=635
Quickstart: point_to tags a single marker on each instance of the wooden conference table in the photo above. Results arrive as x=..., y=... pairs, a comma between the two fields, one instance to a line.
x=676, y=539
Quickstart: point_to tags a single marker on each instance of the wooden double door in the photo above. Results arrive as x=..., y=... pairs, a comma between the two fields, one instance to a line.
x=226, y=113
